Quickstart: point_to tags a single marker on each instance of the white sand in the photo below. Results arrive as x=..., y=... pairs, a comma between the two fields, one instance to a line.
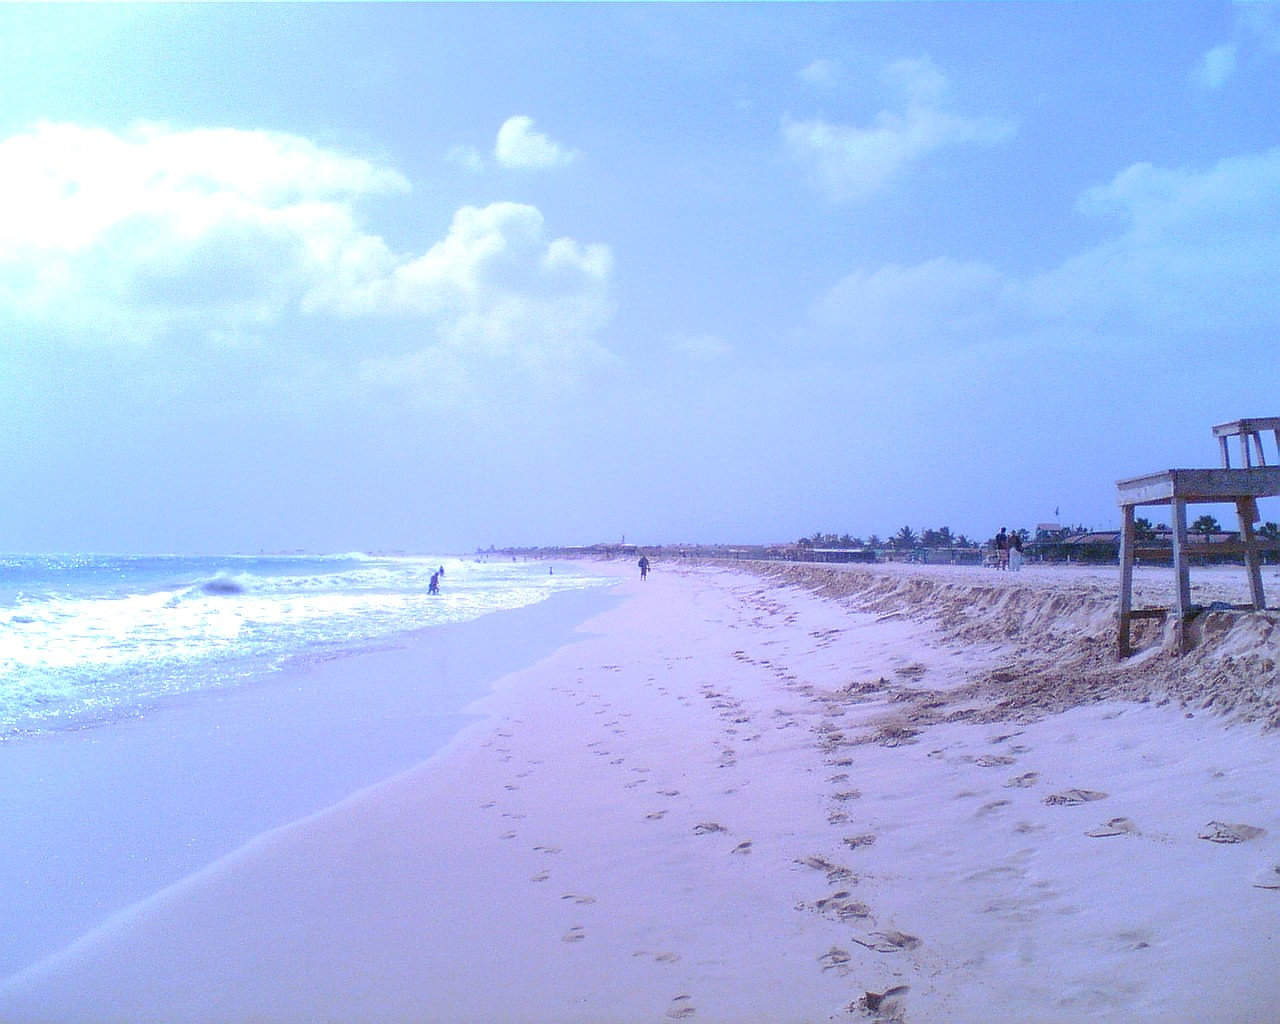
x=736, y=800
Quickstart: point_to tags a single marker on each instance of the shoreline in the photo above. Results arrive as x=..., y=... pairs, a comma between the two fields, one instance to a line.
x=100, y=818
x=729, y=800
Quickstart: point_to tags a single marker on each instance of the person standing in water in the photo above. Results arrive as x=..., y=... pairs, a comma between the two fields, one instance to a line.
x=644, y=567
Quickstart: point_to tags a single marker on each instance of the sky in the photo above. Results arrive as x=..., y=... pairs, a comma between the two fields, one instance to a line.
x=433, y=277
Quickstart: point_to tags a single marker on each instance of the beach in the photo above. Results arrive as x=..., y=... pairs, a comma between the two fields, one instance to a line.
x=768, y=793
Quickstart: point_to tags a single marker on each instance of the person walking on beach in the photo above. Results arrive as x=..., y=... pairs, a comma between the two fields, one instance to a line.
x=1015, y=551
x=1002, y=549
x=644, y=566
x=434, y=586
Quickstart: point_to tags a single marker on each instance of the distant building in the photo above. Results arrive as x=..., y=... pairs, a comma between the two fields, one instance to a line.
x=809, y=554
x=1102, y=547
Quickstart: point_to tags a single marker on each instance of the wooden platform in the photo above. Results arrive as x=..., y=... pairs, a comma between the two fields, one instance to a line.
x=1179, y=488
x=1250, y=434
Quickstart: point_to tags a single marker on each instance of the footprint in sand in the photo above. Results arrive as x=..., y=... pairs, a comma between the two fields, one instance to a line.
x=842, y=906
x=706, y=828
x=1268, y=877
x=1069, y=797
x=681, y=1008
x=886, y=1004
x=1114, y=827
x=655, y=815
x=1023, y=781
x=859, y=841
x=834, y=872
x=889, y=942
x=541, y=876
x=580, y=900
x=659, y=958
x=836, y=959
x=1129, y=941
x=1221, y=832
x=743, y=847
x=547, y=849
x=575, y=934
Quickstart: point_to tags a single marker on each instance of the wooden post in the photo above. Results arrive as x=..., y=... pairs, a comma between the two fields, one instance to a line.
x=1247, y=513
x=1182, y=570
x=1127, y=539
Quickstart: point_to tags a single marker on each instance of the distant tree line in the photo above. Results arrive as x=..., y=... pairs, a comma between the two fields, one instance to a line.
x=906, y=539
x=1143, y=530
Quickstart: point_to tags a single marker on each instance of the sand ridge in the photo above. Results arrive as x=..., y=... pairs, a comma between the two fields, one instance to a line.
x=1049, y=634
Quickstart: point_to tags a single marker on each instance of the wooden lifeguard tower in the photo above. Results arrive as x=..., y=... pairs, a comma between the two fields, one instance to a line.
x=1179, y=488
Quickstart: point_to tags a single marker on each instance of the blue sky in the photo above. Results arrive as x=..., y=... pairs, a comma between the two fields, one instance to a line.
x=431, y=277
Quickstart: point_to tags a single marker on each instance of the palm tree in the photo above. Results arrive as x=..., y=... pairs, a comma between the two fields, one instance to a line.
x=905, y=539
x=1206, y=525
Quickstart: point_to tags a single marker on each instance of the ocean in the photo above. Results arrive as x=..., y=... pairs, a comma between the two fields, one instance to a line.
x=156, y=713
x=89, y=640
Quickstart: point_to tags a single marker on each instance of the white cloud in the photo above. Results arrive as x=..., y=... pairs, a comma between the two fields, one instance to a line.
x=1255, y=39
x=848, y=163
x=897, y=310
x=1260, y=23
x=156, y=233
x=495, y=286
x=519, y=147
x=1197, y=251
x=466, y=157
x=1195, y=255
x=130, y=235
x=821, y=72
x=1215, y=67
x=855, y=163
x=917, y=79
